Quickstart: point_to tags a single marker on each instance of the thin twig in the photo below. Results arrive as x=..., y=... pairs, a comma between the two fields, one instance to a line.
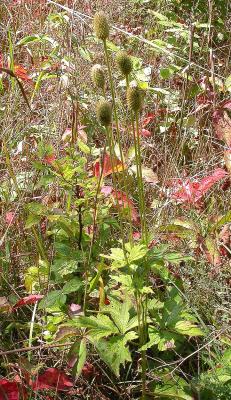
x=33, y=348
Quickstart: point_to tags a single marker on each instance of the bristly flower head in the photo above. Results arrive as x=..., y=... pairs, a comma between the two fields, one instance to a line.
x=100, y=25
x=97, y=76
x=124, y=63
x=134, y=97
x=104, y=112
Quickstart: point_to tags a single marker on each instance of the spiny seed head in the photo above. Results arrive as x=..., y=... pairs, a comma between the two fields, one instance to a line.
x=124, y=62
x=100, y=25
x=97, y=76
x=104, y=112
x=134, y=98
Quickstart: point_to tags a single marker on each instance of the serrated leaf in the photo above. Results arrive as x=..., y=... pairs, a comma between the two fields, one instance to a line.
x=137, y=252
x=188, y=328
x=114, y=352
x=119, y=313
x=98, y=327
x=55, y=297
x=32, y=220
x=83, y=147
x=72, y=286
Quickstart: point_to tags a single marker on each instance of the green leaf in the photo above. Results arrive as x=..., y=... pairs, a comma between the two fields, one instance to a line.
x=119, y=313
x=36, y=208
x=224, y=220
x=172, y=392
x=98, y=327
x=28, y=39
x=176, y=258
x=55, y=297
x=188, y=328
x=166, y=73
x=32, y=220
x=228, y=83
x=137, y=252
x=83, y=147
x=81, y=357
x=114, y=352
x=72, y=286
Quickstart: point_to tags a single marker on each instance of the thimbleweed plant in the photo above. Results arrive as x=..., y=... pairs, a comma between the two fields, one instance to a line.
x=101, y=26
x=97, y=76
x=104, y=113
x=124, y=63
x=101, y=29
x=134, y=100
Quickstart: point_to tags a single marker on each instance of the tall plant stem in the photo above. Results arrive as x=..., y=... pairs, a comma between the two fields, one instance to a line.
x=117, y=132
x=112, y=156
x=140, y=178
x=93, y=233
x=10, y=168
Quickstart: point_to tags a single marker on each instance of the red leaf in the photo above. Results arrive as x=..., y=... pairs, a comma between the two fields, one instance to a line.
x=9, y=390
x=88, y=370
x=192, y=192
x=49, y=159
x=9, y=217
x=121, y=199
x=107, y=301
x=53, y=378
x=21, y=73
x=108, y=166
x=148, y=118
x=31, y=299
x=66, y=137
x=136, y=235
x=145, y=133
x=106, y=190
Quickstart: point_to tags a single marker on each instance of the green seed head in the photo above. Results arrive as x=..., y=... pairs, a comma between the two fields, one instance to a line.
x=104, y=112
x=100, y=25
x=134, y=98
x=124, y=62
x=97, y=76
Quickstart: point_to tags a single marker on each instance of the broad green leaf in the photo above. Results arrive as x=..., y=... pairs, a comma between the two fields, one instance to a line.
x=32, y=220
x=173, y=392
x=176, y=258
x=188, y=328
x=72, y=286
x=83, y=147
x=228, y=83
x=56, y=297
x=224, y=220
x=98, y=327
x=166, y=73
x=36, y=208
x=137, y=252
x=159, y=16
x=28, y=39
x=114, y=352
x=119, y=313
